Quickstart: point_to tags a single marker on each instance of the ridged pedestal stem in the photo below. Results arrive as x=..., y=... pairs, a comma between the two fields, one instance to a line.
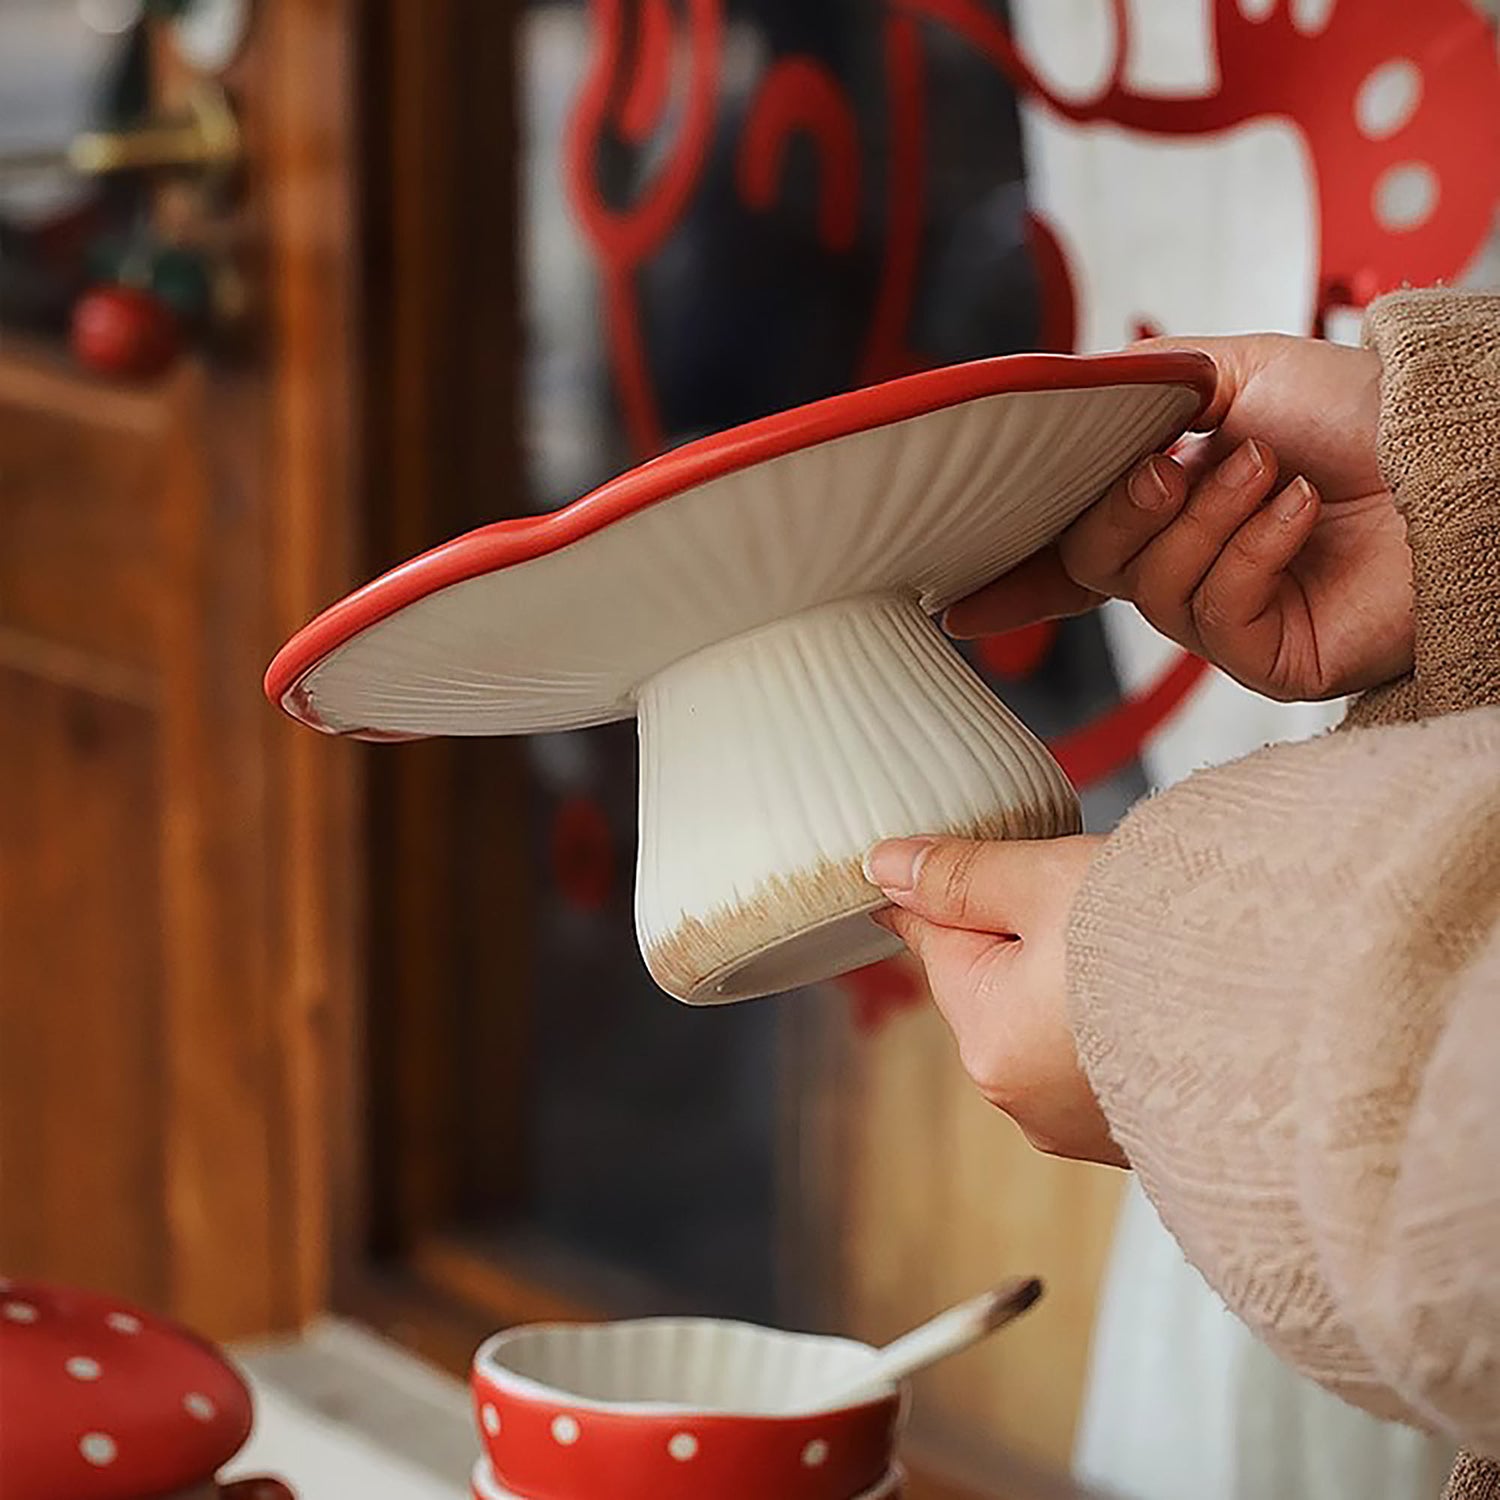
x=771, y=761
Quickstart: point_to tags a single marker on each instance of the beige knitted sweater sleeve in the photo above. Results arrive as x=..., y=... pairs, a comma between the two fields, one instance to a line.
x=1284, y=973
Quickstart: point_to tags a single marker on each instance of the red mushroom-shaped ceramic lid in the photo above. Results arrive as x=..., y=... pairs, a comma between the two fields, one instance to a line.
x=761, y=602
x=102, y=1401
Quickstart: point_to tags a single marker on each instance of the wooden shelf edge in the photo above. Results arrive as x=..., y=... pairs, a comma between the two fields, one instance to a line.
x=38, y=376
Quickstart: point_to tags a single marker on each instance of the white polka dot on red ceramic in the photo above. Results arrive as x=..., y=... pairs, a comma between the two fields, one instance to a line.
x=19, y=1312
x=683, y=1447
x=1406, y=196
x=1311, y=16
x=124, y=1322
x=490, y=1418
x=81, y=1367
x=1388, y=98
x=196, y=1404
x=97, y=1448
x=815, y=1455
x=565, y=1431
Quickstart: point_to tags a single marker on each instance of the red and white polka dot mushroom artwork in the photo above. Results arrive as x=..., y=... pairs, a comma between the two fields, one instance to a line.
x=102, y=1401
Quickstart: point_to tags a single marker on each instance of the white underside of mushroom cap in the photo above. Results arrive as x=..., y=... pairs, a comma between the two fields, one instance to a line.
x=771, y=762
x=930, y=507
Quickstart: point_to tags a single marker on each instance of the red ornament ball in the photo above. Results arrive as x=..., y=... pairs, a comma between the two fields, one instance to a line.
x=123, y=331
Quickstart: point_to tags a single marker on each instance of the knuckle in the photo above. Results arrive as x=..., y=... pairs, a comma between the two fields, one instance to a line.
x=973, y=1061
x=1246, y=553
x=1128, y=582
x=1279, y=689
x=1247, y=545
x=1028, y=1107
x=954, y=878
x=1213, y=612
x=979, y=1051
x=987, y=1073
x=907, y=928
x=1096, y=548
x=1078, y=556
x=1195, y=529
x=1042, y=1138
x=1157, y=593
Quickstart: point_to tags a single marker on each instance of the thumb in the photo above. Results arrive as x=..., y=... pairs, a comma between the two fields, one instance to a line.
x=968, y=883
x=1237, y=359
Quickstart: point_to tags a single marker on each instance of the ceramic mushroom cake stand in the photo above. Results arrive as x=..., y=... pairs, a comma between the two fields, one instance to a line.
x=761, y=602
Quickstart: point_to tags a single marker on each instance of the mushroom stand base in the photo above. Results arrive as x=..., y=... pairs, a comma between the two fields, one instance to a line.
x=771, y=761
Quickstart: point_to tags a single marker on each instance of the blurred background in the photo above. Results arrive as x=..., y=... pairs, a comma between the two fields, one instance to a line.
x=291, y=289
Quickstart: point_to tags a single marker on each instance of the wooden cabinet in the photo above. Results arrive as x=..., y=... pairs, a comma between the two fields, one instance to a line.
x=83, y=953
x=89, y=476
x=177, y=951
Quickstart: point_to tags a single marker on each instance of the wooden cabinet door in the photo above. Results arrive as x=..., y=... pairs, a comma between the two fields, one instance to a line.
x=86, y=475
x=176, y=951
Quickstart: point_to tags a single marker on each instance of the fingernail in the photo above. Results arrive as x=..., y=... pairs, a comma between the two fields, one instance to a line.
x=1148, y=486
x=895, y=864
x=1293, y=500
x=1243, y=464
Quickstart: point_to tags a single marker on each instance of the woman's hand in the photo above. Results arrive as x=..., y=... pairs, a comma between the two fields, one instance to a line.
x=1299, y=587
x=988, y=923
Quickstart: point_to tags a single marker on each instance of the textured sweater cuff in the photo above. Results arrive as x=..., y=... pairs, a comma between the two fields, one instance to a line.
x=1473, y=1478
x=1440, y=452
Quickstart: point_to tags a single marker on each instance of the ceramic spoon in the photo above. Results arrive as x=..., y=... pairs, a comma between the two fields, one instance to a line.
x=948, y=1333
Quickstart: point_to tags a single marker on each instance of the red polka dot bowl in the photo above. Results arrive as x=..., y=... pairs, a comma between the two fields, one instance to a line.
x=679, y=1409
